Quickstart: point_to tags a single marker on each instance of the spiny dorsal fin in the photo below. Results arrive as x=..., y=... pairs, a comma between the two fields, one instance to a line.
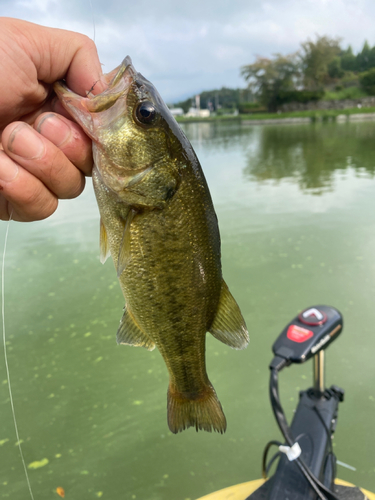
x=229, y=326
x=104, y=245
x=124, y=252
x=129, y=333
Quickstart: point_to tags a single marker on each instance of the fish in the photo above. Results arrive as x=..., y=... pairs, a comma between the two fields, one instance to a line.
x=159, y=226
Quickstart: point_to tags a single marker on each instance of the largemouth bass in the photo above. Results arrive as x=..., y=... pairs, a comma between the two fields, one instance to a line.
x=159, y=225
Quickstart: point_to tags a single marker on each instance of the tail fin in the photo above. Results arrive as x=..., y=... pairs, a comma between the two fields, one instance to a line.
x=204, y=412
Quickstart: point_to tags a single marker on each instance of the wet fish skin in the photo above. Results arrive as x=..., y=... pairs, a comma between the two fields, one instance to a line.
x=159, y=225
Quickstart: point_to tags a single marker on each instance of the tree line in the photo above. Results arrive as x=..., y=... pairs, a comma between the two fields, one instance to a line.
x=319, y=68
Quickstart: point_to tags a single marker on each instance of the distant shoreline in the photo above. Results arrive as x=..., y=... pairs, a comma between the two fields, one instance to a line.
x=312, y=116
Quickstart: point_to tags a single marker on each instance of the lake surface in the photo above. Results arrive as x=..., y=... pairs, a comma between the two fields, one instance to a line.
x=296, y=208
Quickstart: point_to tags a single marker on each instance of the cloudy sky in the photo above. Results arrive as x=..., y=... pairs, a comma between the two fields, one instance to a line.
x=186, y=46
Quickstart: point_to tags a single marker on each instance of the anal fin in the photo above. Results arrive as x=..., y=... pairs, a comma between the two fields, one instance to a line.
x=229, y=326
x=129, y=333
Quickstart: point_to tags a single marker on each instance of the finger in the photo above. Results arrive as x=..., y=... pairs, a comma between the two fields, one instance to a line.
x=22, y=194
x=34, y=57
x=70, y=55
x=68, y=137
x=42, y=159
x=31, y=117
x=27, y=118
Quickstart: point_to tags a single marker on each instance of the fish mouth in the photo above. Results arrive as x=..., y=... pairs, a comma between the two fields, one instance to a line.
x=119, y=80
x=96, y=113
x=118, y=83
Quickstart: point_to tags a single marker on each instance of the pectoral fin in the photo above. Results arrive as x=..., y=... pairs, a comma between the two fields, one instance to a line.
x=104, y=245
x=129, y=333
x=229, y=326
x=124, y=252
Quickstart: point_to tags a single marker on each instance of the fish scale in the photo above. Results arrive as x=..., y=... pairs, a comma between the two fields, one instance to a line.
x=188, y=303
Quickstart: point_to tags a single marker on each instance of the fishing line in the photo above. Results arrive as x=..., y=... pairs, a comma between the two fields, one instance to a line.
x=93, y=18
x=6, y=355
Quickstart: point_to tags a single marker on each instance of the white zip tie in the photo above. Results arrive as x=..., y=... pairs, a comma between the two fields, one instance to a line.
x=292, y=452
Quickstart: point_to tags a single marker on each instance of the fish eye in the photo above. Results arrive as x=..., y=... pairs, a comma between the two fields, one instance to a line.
x=145, y=112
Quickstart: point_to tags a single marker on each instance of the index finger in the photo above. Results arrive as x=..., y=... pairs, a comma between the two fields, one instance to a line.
x=58, y=53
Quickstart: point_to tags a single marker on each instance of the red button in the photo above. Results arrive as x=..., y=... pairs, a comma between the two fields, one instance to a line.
x=298, y=334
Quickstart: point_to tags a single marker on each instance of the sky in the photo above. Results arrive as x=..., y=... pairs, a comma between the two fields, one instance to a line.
x=186, y=46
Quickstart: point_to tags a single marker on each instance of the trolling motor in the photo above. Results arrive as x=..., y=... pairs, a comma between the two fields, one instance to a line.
x=307, y=464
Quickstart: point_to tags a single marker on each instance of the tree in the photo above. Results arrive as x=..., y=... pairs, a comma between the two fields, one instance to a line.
x=367, y=81
x=267, y=78
x=363, y=58
x=348, y=60
x=316, y=60
x=335, y=70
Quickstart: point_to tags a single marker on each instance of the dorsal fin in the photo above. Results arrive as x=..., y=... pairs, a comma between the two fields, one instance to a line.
x=229, y=326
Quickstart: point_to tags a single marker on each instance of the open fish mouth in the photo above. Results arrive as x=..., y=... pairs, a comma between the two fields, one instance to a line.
x=119, y=81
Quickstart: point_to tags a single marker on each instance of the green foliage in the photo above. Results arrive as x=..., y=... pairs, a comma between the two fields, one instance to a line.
x=335, y=70
x=350, y=79
x=285, y=96
x=308, y=75
x=313, y=115
x=250, y=107
x=344, y=93
x=268, y=77
x=319, y=67
x=348, y=60
x=363, y=58
x=318, y=59
x=361, y=62
x=367, y=81
x=223, y=98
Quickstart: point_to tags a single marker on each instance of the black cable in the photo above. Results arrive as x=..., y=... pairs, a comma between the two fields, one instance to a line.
x=269, y=465
x=322, y=491
x=331, y=454
x=265, y=468
x=317, y=411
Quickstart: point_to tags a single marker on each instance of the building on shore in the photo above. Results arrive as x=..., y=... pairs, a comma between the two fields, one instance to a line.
x=201, y=113
x=177, y=111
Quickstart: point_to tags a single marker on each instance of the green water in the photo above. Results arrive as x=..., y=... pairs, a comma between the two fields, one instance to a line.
x=296, y=207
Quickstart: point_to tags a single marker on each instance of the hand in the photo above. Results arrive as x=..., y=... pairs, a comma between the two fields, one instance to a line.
x=43, y=155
